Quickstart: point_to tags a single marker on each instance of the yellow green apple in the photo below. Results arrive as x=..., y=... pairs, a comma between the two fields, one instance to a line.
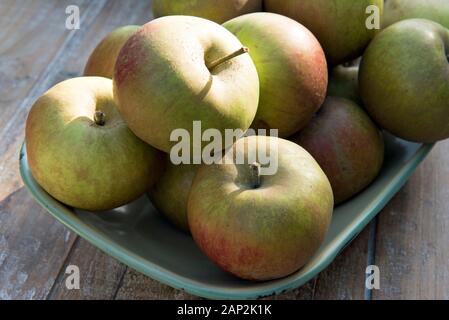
x=102, y=60
x=171, y=193
x=339, y=25
x=292, y=69
x=180, y=69
x=215, y=10
x=344, y=82
x=435, y=10
x=404, y=80
x=261, y=227
x=347, y=145
x=81, y=151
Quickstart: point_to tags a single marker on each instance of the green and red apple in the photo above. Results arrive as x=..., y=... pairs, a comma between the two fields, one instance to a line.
x=347, y=145
x=344, y=82
x=81, y=151
x=171, y=193
x=180, y=69
x=404, y=80
x=102, y=60
x=215, y=10
x=435, y=10
x=339, y=25
x=292, y=69
x=261, y=227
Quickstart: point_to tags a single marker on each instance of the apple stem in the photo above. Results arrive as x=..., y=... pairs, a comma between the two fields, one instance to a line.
x=237, y=53
x=99, y=118
x=255, y=174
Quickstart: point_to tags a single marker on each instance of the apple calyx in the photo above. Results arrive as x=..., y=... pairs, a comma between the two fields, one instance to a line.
x=99, y=118
x=218, y=62
x=255, y=175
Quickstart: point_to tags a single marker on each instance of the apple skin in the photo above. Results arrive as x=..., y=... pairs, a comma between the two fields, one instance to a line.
x=435, y=10
x=344, y=83
x=292, y=69
x=162, y=81
x=340, y=26
x=215, y=10
x=171, y=193
x=102, y=60
x=263, y=233
x=347, y=145
x=82, y=164
x=404, y=80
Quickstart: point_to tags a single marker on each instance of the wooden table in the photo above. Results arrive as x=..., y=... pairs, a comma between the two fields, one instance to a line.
x=408, y=241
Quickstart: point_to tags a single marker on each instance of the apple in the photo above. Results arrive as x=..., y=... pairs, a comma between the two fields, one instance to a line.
x=261, y=227
x=397, y=10
x=180, y=69
x=347, y=145
x=170, y=194
x=404, y=80
x=215, y=10
x=82, y=152
x=344, y=82
x=292, y=69
x=102, y=60
x=340, y=26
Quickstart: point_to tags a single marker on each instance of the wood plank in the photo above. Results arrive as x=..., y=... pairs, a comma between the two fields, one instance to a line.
x=136, y=286
x=305, y=292
x=99, y=274
x=33, y=246
x=412, y=242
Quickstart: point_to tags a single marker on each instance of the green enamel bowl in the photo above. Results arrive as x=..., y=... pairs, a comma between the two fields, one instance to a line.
x=138, y=236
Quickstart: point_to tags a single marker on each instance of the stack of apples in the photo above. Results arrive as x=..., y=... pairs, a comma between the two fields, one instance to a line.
x=102, y=140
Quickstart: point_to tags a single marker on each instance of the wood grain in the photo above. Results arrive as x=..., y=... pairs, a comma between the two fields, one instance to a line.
x=33, y=247
x=412, y=241
x=136, y=286
x=100, y=274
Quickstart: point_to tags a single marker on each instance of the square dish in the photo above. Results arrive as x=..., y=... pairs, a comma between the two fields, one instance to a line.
x=137, y=235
